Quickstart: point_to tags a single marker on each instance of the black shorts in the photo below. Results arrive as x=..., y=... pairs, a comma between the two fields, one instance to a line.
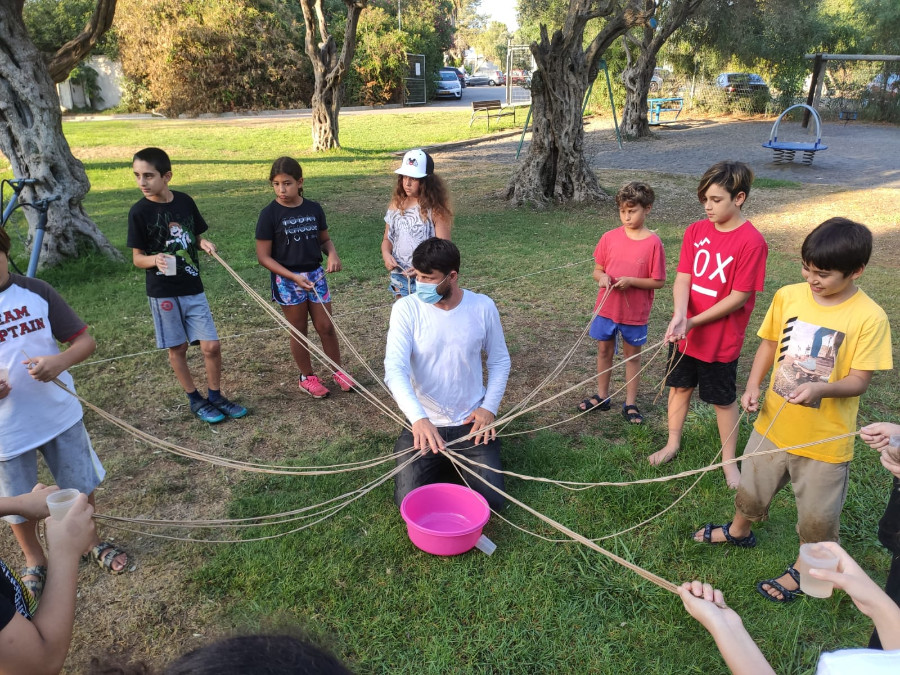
x=717, y=380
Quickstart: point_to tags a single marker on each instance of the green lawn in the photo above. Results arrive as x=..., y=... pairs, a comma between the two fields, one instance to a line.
x=355, y=583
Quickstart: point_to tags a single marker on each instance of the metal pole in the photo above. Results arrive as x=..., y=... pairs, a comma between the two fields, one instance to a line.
x=524, y=129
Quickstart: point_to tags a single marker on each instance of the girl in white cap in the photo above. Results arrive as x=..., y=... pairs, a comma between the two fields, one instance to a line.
x=419, y=209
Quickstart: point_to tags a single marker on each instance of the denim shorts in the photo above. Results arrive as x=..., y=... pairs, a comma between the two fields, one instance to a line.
x=288, y=292
x=70, y=457
x=402, y=285
x=605, y=329
x=717, y=380
x=183, y=319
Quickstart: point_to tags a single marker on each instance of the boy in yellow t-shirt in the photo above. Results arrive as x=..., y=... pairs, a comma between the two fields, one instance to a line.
x=824, y=338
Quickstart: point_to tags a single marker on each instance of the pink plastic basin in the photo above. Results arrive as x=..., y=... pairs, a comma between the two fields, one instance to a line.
x=444, y=518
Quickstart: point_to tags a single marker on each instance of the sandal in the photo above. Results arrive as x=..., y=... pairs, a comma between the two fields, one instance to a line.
x=786, y=595
x=631, y=414
x=105, y=553
x=744, y=542
x=594, y=402
x=34, y=586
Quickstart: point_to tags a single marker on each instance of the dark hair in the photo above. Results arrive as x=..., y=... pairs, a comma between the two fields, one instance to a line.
x=434, y=194
x=436, y=254
x=635, y=192
x=258, y=654
x=155, y=157
x=240, y=655
x=5, y=243
x=838, y=244
x=735, y=177
x=288, y=166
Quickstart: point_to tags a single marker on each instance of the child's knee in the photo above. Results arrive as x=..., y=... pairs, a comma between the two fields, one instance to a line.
x=210, y=348
x=178, y=353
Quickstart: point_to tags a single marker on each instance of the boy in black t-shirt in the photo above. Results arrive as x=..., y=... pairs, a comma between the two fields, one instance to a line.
x=162, y=227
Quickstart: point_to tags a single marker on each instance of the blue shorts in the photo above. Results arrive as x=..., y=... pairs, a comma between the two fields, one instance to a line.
x=402, y=285
x=605, y=329
x=70, y=457
x=183, y=319
x=287, y=292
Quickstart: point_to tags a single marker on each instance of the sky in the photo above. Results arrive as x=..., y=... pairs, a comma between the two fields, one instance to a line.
x=501, y=10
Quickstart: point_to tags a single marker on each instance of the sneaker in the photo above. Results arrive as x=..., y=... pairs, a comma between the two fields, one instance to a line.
x=343, y=380
x=313, y=386
x=231, y=409
x=207, y=412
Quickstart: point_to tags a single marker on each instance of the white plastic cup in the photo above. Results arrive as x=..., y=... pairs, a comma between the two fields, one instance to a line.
x=818, y=557
x=485, y=545
x=61, y=501
x=171, y=265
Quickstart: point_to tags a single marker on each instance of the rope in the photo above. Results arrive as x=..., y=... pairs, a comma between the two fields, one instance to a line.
x=366, y=310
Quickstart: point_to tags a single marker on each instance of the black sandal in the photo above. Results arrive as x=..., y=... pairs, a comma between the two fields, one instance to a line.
x=594, y=402
x=786, y=595
x=631, y=414
x=744, y=542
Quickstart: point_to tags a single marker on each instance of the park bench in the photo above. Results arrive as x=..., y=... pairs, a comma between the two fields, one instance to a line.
x=491, y=108
x=664, y=106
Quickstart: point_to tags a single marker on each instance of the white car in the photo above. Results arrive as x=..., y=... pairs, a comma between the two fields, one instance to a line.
x=448, y=85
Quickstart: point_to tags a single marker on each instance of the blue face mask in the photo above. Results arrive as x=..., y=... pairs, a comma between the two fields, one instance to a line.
x=428, y=293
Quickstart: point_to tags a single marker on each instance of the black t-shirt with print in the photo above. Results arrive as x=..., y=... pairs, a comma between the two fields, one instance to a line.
x=13, y=597
x=294, y=233
x=170, y=228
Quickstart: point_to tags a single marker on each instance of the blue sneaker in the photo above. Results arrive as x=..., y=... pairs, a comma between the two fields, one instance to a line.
x=229, y=408
x=207, y=412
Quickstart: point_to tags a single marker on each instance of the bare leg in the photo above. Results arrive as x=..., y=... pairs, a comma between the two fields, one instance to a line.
x=320, y=313
x=740, y=527
x=28, y=542
x=178, y=361
x=605, y=350
x=212, y=359
x=679, y=402
x=120, y=560
x=632, y=370
x=297, y=317
x=727, y=417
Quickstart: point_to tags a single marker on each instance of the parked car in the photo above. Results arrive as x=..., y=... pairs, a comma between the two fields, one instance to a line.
x=448, y=85
x=460, y=75
x=742, y=84
x=520, y=77
x=877, y=86
x=491, y=77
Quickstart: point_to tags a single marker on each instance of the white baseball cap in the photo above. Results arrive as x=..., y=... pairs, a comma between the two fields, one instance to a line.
x=416, y=164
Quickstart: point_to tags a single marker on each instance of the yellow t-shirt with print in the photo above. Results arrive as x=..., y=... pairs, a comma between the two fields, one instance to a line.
x=819, y=343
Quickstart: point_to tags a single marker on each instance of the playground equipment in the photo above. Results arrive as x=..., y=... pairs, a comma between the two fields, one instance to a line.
x=785, y=151
x=41, y=206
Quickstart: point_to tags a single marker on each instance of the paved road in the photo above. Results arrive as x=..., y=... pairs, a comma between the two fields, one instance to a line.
x=479, y=93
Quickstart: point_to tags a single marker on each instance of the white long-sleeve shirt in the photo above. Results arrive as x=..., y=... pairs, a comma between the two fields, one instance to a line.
x=432, y=362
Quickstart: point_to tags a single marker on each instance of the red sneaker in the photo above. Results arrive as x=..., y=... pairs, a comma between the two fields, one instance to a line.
x=344, y=381
x=313, y=386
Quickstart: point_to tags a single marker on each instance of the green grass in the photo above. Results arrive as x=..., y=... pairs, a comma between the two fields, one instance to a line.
x=355, y=582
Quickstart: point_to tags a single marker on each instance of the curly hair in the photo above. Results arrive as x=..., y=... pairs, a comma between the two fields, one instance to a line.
x=635, y=193
x=433, y=196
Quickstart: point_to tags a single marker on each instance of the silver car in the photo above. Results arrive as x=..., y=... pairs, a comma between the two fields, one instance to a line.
x=448, y=85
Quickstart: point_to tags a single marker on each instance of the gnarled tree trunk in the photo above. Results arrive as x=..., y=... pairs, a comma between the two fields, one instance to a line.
x=329, y=68
x=31, y=138
x=639, y=70
x=554, y=168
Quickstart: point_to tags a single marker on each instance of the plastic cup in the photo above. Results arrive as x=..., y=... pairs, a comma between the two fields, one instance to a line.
x=818, y=557
x=61, y=501
x=4, y=375
x=171, y=265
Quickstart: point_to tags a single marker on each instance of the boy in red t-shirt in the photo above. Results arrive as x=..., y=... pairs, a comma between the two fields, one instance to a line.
x=631, y=265
x=721, y=268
